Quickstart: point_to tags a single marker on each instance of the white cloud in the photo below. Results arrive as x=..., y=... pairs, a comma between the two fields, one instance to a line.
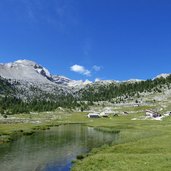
x=97, y=68
x=80, y=69
x=97, y=79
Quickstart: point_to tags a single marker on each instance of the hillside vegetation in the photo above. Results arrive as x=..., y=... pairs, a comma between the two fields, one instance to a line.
x=14, y=99
x=124, y=90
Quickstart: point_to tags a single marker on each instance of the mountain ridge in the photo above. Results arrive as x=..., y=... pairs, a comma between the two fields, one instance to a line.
x=27, y=70
x=31, y=86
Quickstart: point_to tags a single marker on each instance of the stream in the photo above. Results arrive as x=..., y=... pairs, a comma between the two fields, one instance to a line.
x=51, y=150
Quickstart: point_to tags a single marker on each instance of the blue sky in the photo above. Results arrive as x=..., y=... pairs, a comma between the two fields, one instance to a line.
x=89, y=39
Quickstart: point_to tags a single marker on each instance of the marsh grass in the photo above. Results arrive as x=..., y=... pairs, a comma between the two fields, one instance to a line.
x=140, y=145
x=107, y=129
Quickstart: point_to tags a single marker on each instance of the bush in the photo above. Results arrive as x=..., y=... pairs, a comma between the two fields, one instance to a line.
x=80, y=157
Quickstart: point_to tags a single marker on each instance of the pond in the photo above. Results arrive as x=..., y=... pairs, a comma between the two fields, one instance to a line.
x=51, y=150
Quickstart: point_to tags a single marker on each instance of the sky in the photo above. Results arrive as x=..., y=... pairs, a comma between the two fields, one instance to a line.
x=89, y=39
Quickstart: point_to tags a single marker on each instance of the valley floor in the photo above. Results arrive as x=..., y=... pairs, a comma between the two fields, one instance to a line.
x=140, y=145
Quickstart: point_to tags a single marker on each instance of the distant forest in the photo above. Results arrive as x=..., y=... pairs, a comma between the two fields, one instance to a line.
x=114, y=90
x=10, y=104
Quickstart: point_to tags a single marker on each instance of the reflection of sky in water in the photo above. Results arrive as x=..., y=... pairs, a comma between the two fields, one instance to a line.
x=55, y=167
x=51, y=150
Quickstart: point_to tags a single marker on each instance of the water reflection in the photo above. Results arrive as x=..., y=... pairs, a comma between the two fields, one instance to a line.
x=51, y=150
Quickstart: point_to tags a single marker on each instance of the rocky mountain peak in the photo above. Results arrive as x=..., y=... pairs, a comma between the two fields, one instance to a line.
x=25, y=70
x=25, y=62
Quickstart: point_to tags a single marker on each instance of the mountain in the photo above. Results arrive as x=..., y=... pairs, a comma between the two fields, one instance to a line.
x=5, y=87
x=77, y=84
x=33, y=80
x=25, y=70
x=30, y=71
x=162, y=76
x=61, y=80
x=27, y=86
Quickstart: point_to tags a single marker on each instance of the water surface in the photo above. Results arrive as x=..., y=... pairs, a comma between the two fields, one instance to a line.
x=51, y=150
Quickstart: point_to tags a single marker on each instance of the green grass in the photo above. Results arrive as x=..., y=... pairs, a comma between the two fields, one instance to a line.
x=9, y=132
x=106, y=129
x=140, y=145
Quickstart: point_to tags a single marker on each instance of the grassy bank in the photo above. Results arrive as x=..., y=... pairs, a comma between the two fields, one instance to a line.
x=27, y=124
x=141, y=145
x=9, y=132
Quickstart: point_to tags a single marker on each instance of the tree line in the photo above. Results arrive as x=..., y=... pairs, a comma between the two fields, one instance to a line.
x=114, y=90
x=11, y=104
